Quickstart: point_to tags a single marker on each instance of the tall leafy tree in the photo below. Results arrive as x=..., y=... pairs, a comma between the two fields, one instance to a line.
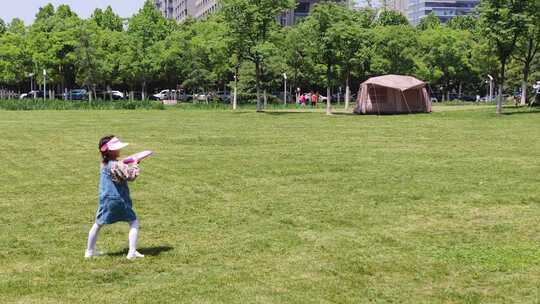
x=17, y=26
x=145, y=32
x=89, y=56
x=390, y=17
x=322, y=40
x=466, y=22
x=208, y=60
x=528, y=45
x=429, y=22
x=251, y=23
x=395, y=50
x=2, y=27
x=501, y=23
x=53, y=40
x=175, y=61
x=102, y=46
x=298, y=57
x=107, y=19
x=445, y=57
x=354, y=44
x=14, y=57
x=40, y=42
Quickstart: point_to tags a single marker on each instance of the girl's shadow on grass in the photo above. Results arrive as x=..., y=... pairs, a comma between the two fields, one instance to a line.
x=149, y=251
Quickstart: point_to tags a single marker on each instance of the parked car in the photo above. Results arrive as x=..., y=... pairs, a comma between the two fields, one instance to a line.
x=468, y=98
x=30, y=95
x=485, y=98
x=341, y=97
x=78, y=94
x=223, y=96
x=116, y=95
x=164, y=94
x=202, y=97
x=111, y=95
x=185, y=97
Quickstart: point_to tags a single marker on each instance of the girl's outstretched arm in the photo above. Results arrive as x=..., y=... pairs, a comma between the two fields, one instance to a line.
x=123, y=172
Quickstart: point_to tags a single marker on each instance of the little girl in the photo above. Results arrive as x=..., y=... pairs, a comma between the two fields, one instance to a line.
x=114, y=200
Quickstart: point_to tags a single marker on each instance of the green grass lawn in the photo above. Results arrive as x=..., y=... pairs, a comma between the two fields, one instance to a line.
x=276, y=207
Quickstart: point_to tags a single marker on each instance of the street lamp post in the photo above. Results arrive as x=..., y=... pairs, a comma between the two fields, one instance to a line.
x=490, y=99
x=487, y=90
x=44, y=84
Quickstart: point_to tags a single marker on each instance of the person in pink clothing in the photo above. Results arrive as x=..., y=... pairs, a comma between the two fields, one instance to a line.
x=303, y=100
x=314, y=99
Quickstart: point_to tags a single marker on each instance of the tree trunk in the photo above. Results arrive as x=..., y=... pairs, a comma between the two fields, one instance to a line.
x=143, y=88
x=109, y=91
x=501, y=88
x=235, y=91
x=257, y=84
x=524, y=83
x=236, y=68
x=328, y=90
x=295, y=85
x=94, y=91
x=347, y=92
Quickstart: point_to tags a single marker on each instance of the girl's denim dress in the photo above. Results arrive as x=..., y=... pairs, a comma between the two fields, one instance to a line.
x=115, y=203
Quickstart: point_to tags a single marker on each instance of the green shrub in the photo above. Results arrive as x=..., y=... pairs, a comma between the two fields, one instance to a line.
x=40, y=104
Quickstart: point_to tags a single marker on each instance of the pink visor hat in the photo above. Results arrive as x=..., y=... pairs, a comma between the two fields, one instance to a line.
x=113, y=145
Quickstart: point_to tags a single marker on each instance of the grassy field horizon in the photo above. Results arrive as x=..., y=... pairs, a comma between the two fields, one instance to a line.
x=277, y=207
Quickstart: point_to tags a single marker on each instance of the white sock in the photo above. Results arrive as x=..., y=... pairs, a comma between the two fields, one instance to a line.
x=92, y=238
x=133, y=232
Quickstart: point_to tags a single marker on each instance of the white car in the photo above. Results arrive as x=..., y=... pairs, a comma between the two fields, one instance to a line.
x=118, y=94
x=164, y=94
x=31, y=94
x=115, y=95
x=202, y=97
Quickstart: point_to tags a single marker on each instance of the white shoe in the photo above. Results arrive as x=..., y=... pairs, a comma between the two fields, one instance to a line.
x=134, y=255
x=88, y=254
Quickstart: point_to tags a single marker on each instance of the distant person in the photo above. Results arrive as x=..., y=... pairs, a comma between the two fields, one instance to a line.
x=115, y=203
x=303, y=100
x=314, y=99
x=536, y=100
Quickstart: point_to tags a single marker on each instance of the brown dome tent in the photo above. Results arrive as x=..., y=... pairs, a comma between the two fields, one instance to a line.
x=393, y=94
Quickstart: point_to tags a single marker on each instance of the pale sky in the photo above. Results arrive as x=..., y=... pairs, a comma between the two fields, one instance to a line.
x=27, y=9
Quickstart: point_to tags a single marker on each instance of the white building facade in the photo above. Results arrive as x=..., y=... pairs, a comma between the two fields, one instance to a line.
x=444, y=9
x=180, y=10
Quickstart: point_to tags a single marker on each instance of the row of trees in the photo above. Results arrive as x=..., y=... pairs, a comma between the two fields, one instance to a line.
x=243, y=46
